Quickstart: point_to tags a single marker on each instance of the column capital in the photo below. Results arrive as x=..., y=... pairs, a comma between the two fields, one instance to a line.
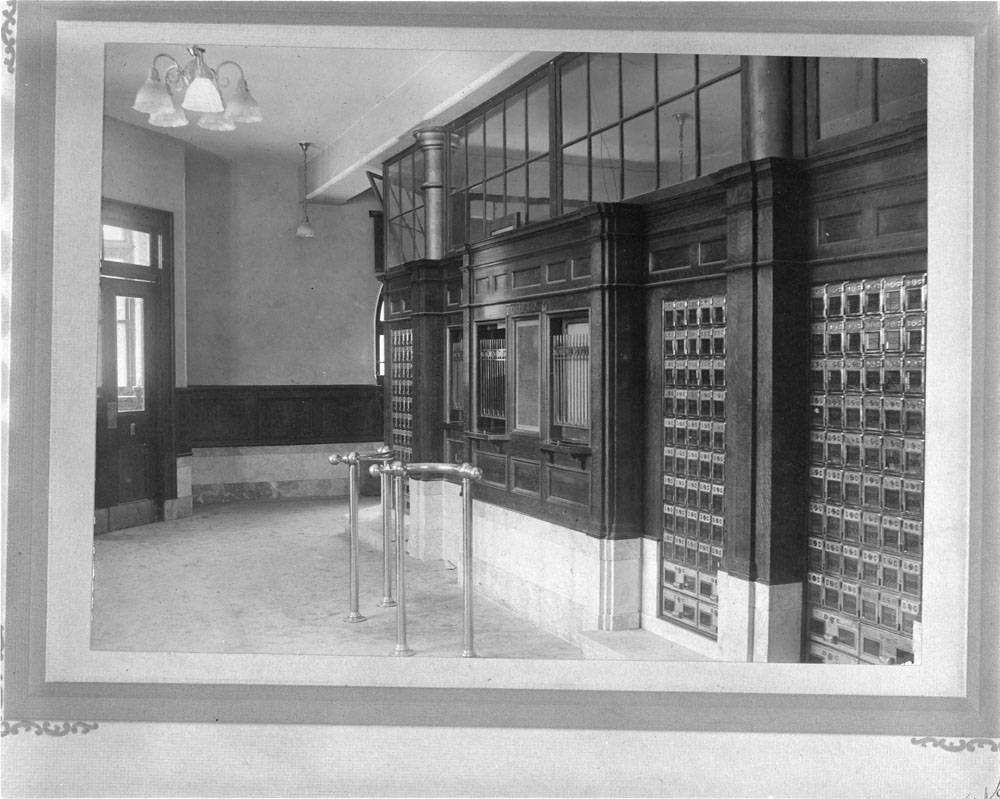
x=434, y=138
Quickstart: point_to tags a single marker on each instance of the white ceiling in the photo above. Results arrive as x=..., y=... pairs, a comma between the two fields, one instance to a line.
x=355, y=106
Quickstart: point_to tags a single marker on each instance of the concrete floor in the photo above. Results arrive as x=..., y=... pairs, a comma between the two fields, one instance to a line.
x=272, y=577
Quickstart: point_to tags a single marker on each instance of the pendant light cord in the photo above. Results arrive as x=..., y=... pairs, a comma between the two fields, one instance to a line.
x=305, y=185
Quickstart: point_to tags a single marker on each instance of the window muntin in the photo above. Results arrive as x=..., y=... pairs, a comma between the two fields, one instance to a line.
x=852, y=93
x=496, y=172
x=601, y=127
x=699, y=114
x=404, y=208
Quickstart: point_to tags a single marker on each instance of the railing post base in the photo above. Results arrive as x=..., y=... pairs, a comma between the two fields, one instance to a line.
x=403, y=652
x=353, y=617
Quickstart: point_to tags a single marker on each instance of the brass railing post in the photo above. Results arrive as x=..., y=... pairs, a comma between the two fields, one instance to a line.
x=397, y=472
x=468, y=475
x=353, y=461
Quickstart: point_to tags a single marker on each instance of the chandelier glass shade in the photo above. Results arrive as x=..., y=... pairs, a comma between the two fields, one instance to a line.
x=200, y=89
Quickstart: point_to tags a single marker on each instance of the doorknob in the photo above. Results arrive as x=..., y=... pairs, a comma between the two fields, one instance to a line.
x=112, y=415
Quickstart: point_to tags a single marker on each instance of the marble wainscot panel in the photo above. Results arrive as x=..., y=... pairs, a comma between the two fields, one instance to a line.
x=227, y=474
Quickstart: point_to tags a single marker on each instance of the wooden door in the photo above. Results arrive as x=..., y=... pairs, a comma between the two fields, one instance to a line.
x=134, y=373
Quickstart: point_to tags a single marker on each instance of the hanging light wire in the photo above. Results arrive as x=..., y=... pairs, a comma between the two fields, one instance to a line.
x=305, y=229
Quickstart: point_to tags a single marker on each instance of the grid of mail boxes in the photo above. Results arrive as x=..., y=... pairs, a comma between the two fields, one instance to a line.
x=694, y=444
x=866, y=478
x=401, y=394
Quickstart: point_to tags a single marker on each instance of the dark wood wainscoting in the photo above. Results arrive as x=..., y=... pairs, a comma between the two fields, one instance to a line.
x=230, y=416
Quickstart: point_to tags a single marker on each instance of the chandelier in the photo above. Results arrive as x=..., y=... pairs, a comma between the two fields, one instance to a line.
x=202, y=89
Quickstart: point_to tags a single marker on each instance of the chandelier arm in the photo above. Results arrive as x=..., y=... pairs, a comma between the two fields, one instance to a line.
x=173, y=75
x=224, y=81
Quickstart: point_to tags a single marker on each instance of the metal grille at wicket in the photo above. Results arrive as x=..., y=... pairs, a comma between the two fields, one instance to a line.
x=694, y=446
x=866, y=474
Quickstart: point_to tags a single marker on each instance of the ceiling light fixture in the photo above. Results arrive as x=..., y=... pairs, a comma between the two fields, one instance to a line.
x=305, y=229
x=201, y=86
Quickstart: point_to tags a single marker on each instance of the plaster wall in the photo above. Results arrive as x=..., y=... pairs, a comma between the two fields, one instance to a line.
x=266, y=307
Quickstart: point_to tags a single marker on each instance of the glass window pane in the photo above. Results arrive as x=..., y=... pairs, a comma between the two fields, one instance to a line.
x=639, y=139
x=126, y=246
x=476, y=150
x=721, y=125
x=604, y=108
x=676, y=74
x=638, y=84
x=494, y=141
x=495, y=200
x=514, y=120
x=573, y=83
x=394, y=242
x=458, y=174
x=711, y=66
x=538, y=119
x=419, y=234
x=516, y=191
x=575, y=170
x=605, y=167
x=130, y=361
x=457, y=219
x=526, y=377
x=406, y=183
x=845, y=94
x=392, y=191
x=902, y=86
x=418, y=179
x=477, y=214
x=677, y=141
x=406, y=235
x=538, y=191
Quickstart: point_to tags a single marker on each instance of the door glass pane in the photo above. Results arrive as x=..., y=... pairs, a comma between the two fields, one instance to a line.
x=603, y=90
x=677, y=141
x=720, y=125
x=845, y=95
x=126, y=246
x=526, y=379
x=574, y=99
x=639, y=136
x=606, y=167
x=130, y=360
x=902, y=86
x=638, y=86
